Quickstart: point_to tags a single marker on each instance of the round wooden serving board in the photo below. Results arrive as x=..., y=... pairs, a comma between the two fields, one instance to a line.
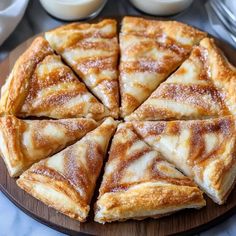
x=188, y=221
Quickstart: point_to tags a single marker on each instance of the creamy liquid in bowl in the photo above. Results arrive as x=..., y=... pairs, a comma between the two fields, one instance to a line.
x=73, y=9
x=161, y=7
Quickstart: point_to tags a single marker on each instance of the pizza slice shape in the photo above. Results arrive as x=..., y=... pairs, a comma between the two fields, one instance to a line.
x=92, y=51
x=150, y=51
x=66, y=181
x=41, y=85
x=24, y=142
x=203, y=87
x=138, y=183
x=202, y=149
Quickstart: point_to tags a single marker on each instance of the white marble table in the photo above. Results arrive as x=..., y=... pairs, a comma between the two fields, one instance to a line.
x=12, y=220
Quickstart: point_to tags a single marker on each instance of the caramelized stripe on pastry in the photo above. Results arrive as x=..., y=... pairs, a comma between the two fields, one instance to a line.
x=92, y=51
x=223, y=73
x=50, y=89
x=54, y=86
x=164, y=31
x=202, y=149
x=197, y=101
x=150, y=51
x=70, y=176
x=24, y=142
x=189, y=93
x=14, y=91
x=60, y=40
x=133, y=166
x=87, y=64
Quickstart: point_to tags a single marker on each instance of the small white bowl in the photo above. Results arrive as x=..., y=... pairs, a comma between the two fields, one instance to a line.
x=161, y=7
x=73, y=9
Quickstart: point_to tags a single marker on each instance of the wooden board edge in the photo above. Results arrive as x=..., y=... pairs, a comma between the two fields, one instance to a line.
x=62, y=229
x=196, y=230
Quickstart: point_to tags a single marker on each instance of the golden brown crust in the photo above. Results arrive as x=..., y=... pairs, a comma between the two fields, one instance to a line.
x=64, y=181
x=190, y=93
x=26, y=142
x=212, y=164
x=144, y=201
x=30, y=183
x=83, y=31
x=11, y=130
x=92, y=51
x=63, y=96
x=126, y=140
x=15, y=90
x=138, y=183
x=153, y=28
x=222, y=72
x=150, y=50
x=49, y=88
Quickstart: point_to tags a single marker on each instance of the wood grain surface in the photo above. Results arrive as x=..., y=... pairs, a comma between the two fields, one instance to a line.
x=188, y=221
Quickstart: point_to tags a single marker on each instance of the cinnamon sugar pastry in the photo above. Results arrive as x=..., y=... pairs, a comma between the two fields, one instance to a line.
x=150, y=51
x=204, y=150
x=203, y=87
x=167, y=71
x=24, y=142
x=41, y=85
x=139, y=183
x=92, y=51
x=66, y=181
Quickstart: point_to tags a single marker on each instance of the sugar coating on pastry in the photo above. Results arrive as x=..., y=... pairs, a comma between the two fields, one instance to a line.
x=92, y=51
x=24, y=142
x=66, y=181
x=41, y=85
x=138, y=183
x=202, y=87
x=203, y=149
x=159, y=71
x=150, y=51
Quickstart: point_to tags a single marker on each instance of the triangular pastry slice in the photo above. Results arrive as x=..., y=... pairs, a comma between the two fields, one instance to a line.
x=66, y=181
x=92, y=51
x=24, y=142
x=203, y=149
x=41, y=85
x=204, y=86
x=139, y=183
x=150, y=51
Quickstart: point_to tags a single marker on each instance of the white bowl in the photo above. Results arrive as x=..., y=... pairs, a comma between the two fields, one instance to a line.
x=73, y=9
x=161, y=7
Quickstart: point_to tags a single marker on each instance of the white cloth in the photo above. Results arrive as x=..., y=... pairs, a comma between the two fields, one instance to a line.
x=11, y=12
x=217, y=25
